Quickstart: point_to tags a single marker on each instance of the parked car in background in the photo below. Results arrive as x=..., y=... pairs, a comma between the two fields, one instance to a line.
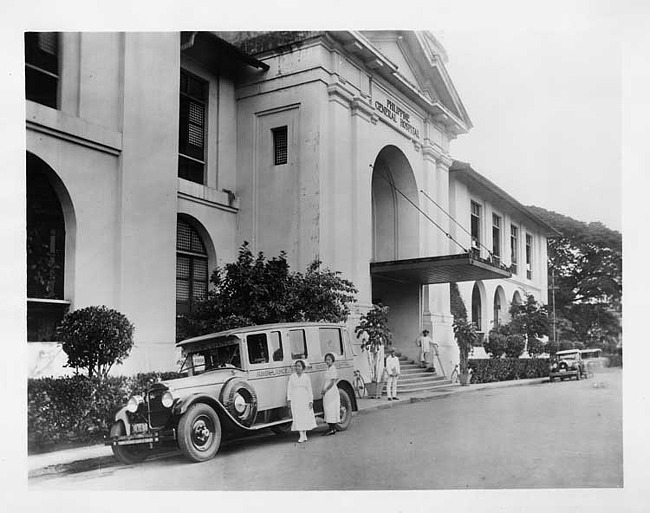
x=235, y=383
x=592, y=358
x=567, y=364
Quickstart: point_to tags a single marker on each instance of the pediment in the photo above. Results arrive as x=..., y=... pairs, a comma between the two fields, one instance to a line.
x=420, y=59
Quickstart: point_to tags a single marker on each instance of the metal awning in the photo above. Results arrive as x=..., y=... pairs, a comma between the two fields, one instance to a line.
x=438, y=269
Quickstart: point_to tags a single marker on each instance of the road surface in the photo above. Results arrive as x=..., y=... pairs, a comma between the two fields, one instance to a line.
x=553, y=435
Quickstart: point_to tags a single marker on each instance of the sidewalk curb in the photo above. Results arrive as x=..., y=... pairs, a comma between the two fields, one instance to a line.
x=446, y=393
x=107, y=461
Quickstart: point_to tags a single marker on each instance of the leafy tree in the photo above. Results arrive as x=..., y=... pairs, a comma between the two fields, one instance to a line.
x=565, y=345
x=253, y=290
x=585, y=264
x=95, y=338
x=535, y=347
x=457, y=305
x=375, y=323
x=529, y=319
x=466, y=337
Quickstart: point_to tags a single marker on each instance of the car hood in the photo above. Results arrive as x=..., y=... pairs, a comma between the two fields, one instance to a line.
x=214, y=377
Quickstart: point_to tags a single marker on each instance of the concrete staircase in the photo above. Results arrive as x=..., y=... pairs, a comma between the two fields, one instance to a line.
x=415, y=379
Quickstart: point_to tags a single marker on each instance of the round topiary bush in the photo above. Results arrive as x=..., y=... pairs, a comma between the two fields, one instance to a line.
x=496, y=344
x=515, y=345
x=95, y=338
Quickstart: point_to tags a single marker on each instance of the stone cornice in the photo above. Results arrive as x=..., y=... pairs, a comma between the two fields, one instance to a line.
x=361, y=107
x=337, y=92
x=433, y=153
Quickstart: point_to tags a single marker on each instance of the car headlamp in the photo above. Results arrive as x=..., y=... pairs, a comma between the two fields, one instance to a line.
x=167, y=399
x=134, y=403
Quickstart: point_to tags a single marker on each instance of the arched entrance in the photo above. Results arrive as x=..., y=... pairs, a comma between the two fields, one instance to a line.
x=395, y=222
x=50, y=250
x=395, y=236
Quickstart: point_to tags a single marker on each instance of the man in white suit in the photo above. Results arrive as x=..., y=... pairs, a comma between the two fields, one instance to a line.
x=393, y=372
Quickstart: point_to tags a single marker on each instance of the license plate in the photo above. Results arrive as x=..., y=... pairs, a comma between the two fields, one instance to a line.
x=562, y=370
x=139, y=428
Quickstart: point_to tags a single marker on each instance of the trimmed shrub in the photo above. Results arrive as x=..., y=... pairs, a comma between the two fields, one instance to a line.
x=506, y=369
x=614, y=360
x=79, y=409
x=496, y=344
x=95, y=338
x=515, y=345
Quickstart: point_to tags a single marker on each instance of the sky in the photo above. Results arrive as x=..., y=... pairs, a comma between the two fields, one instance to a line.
x=546, y=110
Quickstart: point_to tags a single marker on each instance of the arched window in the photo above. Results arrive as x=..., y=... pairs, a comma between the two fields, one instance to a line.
x=497, y=308
x=191, y=268
x=45, y=237
x=476, y=307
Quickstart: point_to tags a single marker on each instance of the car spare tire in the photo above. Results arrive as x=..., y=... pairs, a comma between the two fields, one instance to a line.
x=240, y=400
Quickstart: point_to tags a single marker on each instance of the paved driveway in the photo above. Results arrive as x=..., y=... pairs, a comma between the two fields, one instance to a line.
x=552, y=435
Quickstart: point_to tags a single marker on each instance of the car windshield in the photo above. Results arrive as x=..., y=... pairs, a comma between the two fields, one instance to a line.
x=570, y=356
x=217, y=354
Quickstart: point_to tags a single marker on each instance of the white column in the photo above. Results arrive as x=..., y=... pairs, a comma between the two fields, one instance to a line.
x=442, y=318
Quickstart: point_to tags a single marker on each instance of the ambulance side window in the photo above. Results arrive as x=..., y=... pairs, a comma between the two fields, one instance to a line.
x=276, y=346
x=258, y=351
x=298, y=344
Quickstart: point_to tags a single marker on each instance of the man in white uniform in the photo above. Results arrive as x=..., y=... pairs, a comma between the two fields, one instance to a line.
x=424, y=343
x=393, y=371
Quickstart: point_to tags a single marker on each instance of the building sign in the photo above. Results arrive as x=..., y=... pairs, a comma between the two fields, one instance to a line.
x=398, y=116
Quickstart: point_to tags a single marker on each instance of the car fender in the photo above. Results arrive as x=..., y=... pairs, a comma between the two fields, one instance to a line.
x=121, y=415
x=181, y=406
x=345, y=385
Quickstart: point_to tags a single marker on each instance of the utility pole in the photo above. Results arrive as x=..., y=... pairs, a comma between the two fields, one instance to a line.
x=553, y=296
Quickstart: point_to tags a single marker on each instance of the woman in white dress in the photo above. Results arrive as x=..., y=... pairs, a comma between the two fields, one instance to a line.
x=300, y=399
x=331, y=397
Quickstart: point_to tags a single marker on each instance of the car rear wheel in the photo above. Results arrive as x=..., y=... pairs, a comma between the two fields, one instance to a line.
x=128, y=454
x=346, y=411
x=199, y=433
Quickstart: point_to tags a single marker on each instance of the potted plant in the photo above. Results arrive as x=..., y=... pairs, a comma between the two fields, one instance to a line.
x=466, y=336
x=373, y=327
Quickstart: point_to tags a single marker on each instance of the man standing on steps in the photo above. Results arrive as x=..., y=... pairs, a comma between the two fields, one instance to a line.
x=433, y=356
x=424, y=343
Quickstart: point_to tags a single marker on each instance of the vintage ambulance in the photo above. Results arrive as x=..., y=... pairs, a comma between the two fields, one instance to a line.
x=235, y=382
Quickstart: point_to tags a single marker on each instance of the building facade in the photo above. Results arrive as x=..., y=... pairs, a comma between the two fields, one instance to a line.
x=151, y=157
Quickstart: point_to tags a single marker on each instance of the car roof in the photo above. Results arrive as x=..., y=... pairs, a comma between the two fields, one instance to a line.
x=568, y=351
x=260, y=327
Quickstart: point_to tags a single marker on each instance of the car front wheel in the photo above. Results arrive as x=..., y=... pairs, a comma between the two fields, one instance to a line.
x=199, y=433
x=128, y=454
